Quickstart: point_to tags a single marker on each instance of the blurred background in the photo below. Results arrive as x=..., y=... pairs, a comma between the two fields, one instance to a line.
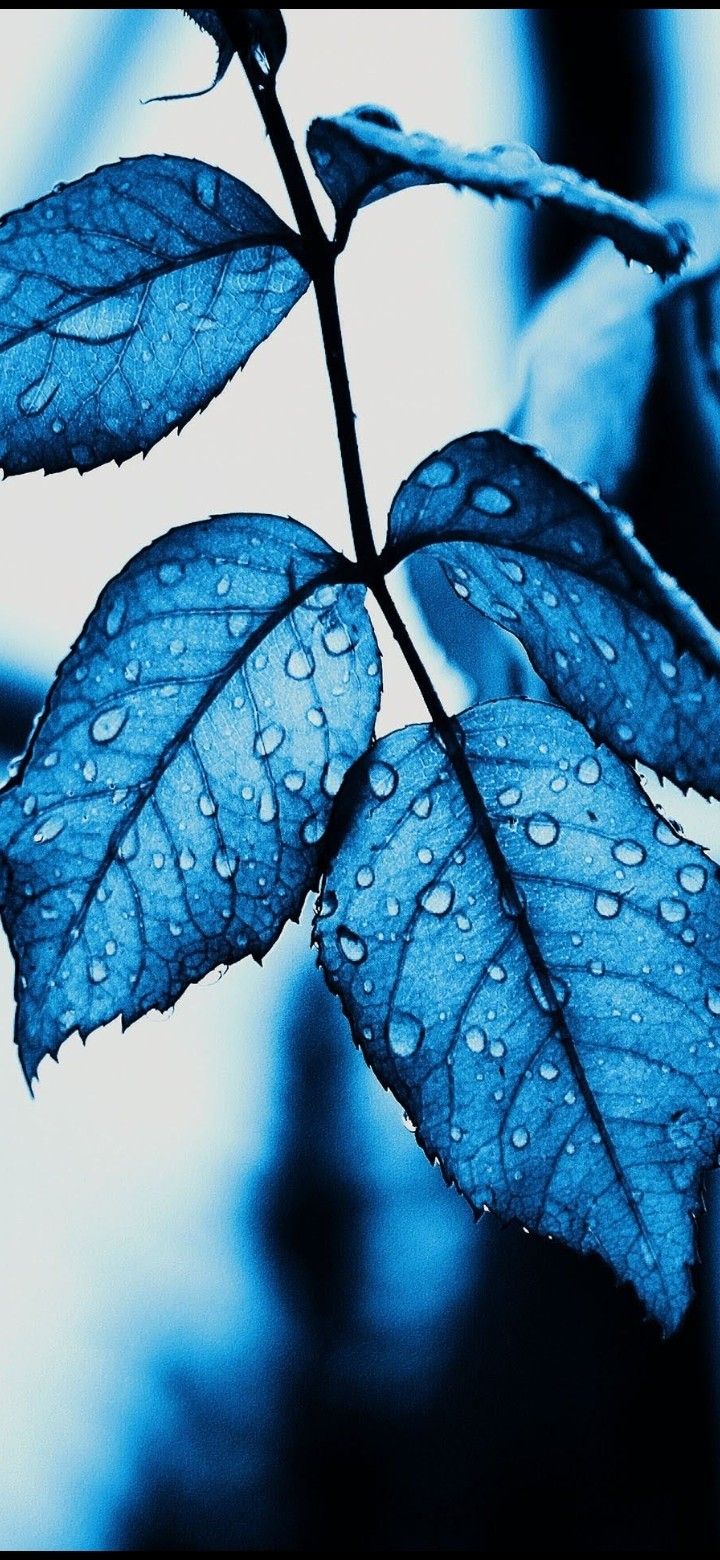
x=238, y=1307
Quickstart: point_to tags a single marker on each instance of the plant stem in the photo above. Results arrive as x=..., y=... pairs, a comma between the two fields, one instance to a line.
x=321, y=255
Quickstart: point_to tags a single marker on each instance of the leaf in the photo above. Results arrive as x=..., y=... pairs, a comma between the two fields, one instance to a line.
x=208, y=22
x=169, y=813
x=563, y=1062
x=616, y=640
x=590, y=354
x=258, y=35
x=127, y=300
x=364, y=154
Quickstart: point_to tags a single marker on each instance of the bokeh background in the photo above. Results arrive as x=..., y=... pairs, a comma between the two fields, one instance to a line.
x=238, y=1308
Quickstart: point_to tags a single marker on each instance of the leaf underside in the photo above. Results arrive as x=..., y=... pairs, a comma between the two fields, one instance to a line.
x=169, y=813
x=591, y=1122
x=592, y=350
x=615, y=640
x=364, y=155
x=127, y=300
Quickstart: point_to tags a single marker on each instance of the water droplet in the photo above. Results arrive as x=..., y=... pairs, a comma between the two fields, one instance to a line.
x=169, y=573
x=513, y=570
x=132, y=671
x=561, y=660
x=207, y=183
x=383, y=780
x=712, y=1001
x=672, y=911
x=692, y=878
x=475, y=1039
x=269, y=740
x=333, y=775
x=108, y=725
x=549, y=1071
x=186, y=859
x=685, y=1131
x=49, y=830
x=353, y=947
x=425, y=855
x=337, y=640
x=629, y=853
x=206, y=805
x=328, y=904
x=437, y=473
x=490, y=500
x=549, y=598
x=312, y=830
x=497, y=972
x=405, y=1033
x=299, y=665
x=115, y=618
x=520, y=1137
x=158, y=860
x=422, y=806
x=316, y=718
x=50, y=760
x=558, y=784
x=497, y=1048
x=588, y=771
x=267, y=806
x=392, y=905
x=97, y=971
x=38, y=395
x=607, y=905
x=542, y=829
x=664, y=834
x=510, y=797
x=457, y=1134
x=668, y=669
x=596, y=967
x=127, y=849
x=177, y=647
x=625, y=733
x=293, y=781
x=29, y=806
x=606, y=649
x=224, y=864
x=365, y=877
x=438, y=899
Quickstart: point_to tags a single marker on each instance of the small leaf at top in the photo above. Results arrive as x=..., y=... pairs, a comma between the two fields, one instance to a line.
x=169, y=813
x=615, y=639
x=364, y=155
x=258, y=35
x=561, y=1059
x=590, y=354
x=209, y=22
x=127, y=300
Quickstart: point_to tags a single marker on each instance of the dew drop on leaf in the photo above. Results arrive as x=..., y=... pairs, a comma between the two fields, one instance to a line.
x=405, y=1033
x=108, y=725
x=542, y=829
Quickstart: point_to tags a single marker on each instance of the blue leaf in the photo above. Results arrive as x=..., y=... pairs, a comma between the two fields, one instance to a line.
x=592, y=350
x=365, y=154
x=127, y=300
x=209, y=22
x=257, y=34
x=169, y=813
x=616, y=640
x=559, y=1052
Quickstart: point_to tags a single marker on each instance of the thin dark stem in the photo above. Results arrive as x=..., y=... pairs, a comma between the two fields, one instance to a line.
x=321, y=255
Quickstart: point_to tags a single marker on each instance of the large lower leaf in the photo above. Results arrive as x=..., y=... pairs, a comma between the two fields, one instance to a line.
x=127, y=300
x=365, y=154
x=561, y=1060
x=169, y=812
x=615, y=639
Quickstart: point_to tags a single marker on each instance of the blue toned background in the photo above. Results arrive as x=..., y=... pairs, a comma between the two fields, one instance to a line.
x=238, y=1306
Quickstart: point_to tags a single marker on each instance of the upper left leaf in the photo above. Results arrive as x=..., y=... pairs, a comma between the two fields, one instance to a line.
x=127, y=301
